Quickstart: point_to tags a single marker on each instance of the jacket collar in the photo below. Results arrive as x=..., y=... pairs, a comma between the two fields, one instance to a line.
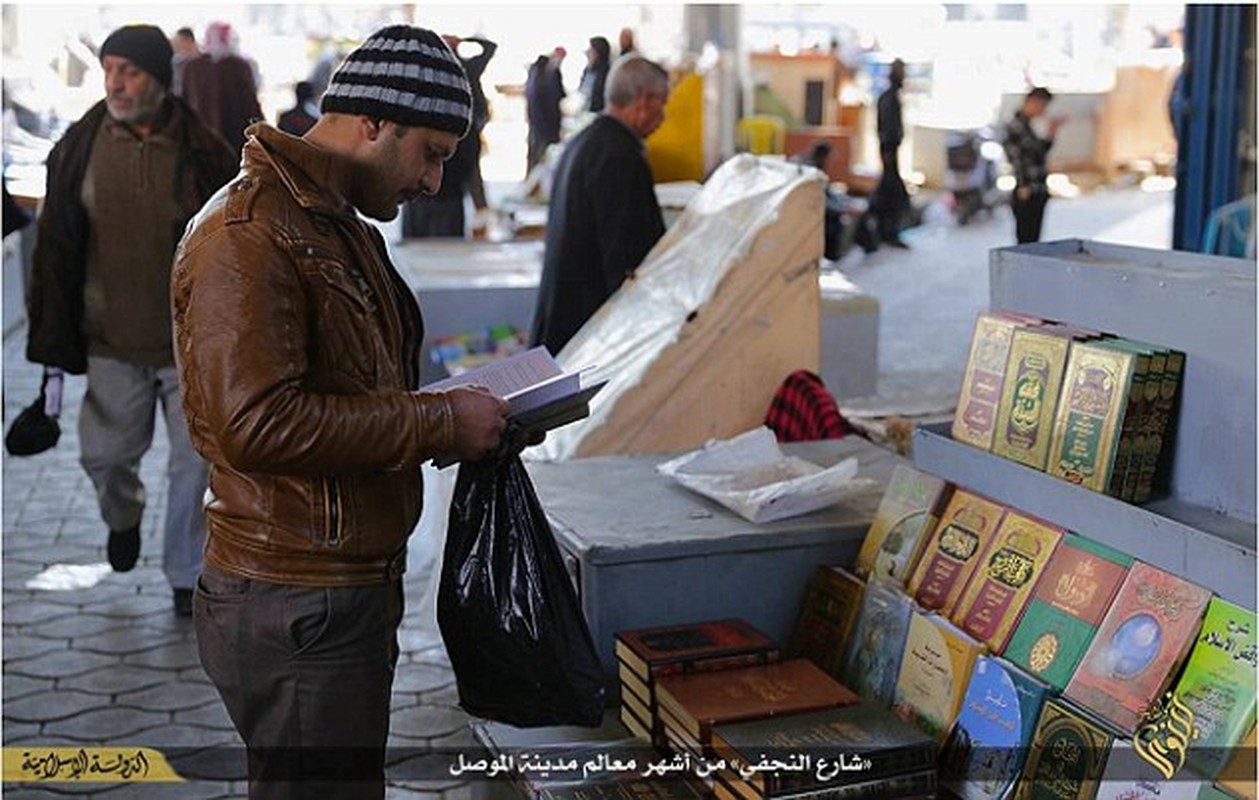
x=315, y=177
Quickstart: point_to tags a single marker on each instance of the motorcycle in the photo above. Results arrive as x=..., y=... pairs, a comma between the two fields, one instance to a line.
x=974, y=159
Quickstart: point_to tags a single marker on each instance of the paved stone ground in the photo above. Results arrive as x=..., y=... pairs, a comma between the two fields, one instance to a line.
x=111, y=664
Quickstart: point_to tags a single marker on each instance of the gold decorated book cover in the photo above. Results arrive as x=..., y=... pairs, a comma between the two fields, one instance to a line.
x=1029, y=397
x=976, y=415
x=1090, y=414
x=953, y=551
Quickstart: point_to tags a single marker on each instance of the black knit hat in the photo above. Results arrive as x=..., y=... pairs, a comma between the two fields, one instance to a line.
x=406, y=75
x=143, y=45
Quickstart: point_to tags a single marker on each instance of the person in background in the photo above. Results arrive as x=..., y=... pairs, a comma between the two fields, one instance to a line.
x=544, y=89
x=122, y=182
x=604, y=217
x=625, y=43
x=1028, y=152
x=222, y=87
x=299, y=345
x=890, y=202
x=184, y=43
x=442, y=213
x=304, y=113
x=595, y=76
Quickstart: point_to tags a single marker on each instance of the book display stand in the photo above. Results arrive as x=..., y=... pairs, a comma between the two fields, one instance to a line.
x=1203, y=305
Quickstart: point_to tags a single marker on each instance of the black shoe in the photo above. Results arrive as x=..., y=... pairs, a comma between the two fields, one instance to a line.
x=897, y=242
x=183, y=602
x=124, y=549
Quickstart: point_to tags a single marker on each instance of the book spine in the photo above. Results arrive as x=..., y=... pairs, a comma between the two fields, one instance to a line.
x=1156, y=465
x=1133, y=417
x=975, y=419
x=1141, y=438
x=712, y=663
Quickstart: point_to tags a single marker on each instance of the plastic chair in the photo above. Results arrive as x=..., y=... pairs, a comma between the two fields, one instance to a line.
x=761, y=135
x=1230, y=230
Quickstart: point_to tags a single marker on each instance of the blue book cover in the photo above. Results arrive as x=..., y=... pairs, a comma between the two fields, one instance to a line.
x=877, y=644
x=987, y=747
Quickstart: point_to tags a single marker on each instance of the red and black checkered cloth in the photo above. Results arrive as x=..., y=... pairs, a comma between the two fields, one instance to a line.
x=804, y=411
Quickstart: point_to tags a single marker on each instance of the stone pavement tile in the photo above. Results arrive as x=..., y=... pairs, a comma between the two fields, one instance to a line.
x=448, y=696
x=422, y=678
x=216, y=764
x=114, y=679
x=102, y=596
x=182, y=655
x=426, y=722
x=425, y=772
x=74, y=626
x=170, y=696
x=18, y=686
x=59, y=664
x=19, y=731
x=433, y=655
x=194, y=675
x=401, y=700
x=458, y=793
x=32, y=611
x=182, y=740
x=27, y=792
x=53, y=705
x=189, y=790
x=414, y=640
x=106, y=725
x=132, y=605
x=211, y=715
x=460, y=740
x=18, y=646
x=128, y=640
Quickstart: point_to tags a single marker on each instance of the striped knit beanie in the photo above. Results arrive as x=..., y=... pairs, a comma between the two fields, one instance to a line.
x=405, y=75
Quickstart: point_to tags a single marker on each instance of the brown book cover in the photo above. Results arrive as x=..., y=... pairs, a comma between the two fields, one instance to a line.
x=651, y=652
x=1003, y=583
x=953, y=551
x=827, y=617
x=1029, y=396
x=701, y=699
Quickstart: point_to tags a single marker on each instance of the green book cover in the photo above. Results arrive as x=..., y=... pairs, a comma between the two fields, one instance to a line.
x=1218, y=685
x=1080, y=581
x=1090, y=416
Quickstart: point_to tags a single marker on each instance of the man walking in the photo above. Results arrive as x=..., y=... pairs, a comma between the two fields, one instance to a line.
x=604, y=217
x=1028, y=152
x=891, y=200
x=122, y=183
x=298, y=348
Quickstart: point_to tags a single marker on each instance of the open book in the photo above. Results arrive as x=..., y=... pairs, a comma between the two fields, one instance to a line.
x=541, y=396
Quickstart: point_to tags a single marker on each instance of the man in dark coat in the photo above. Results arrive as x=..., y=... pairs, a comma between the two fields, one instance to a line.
x=891, y=200
x=604, y=217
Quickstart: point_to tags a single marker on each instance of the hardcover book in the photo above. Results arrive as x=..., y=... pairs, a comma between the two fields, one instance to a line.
x=919, y=785
x=988, y=744
x=1029, y=397
x=935, y=671
x=1129, y=776
x=827, y=618
x=953, y=550
x=700, y=700
x=667, y=649
x=1156, y=463
x=1238, y=775
x=629, y=787
x=1146, y=375
x=1078, y=586
x=905, y=513
x=1095, y=392
x=975, y=420
x=1005, y=579
x=1126, y=488
x=1218, y=685
x=874, y=654
x=1068, y=753
x=1140, y=644
x=855, y=743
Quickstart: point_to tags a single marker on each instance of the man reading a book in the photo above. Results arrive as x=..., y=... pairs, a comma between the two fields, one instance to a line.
x=297, y=345
x=604, y=217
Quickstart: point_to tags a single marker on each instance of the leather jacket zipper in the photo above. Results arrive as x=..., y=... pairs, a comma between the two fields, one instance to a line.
x=332, y=512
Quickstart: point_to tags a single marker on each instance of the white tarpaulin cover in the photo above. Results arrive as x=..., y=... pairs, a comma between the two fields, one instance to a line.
x=723, y=308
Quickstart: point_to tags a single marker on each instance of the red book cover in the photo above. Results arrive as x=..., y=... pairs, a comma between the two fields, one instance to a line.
x=648, y=650
x=1142, y=641
x=956, y=546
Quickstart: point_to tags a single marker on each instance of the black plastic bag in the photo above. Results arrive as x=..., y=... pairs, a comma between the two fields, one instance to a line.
x=33, y=431
x=510, y=618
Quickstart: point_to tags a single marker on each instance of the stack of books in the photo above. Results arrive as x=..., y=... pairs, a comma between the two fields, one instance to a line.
x=1089, y=407
x=690, y=705
x=858, y=750
x=645, y=655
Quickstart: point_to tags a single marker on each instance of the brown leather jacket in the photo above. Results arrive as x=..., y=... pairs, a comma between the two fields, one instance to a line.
x=297, y=343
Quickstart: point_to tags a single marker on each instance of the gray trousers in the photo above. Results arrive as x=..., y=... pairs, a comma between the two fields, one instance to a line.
x=306, y=674
x=116, y=427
